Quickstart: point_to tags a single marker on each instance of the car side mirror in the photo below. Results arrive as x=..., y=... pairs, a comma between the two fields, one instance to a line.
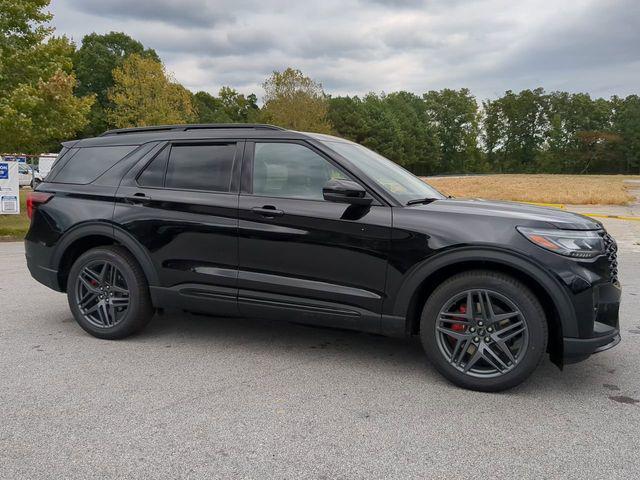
x=346, y=191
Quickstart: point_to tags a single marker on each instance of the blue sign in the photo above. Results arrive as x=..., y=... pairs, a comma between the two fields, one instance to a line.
x=4, y=171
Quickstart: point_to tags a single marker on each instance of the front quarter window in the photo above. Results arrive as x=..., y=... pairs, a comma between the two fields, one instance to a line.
x=400, y=183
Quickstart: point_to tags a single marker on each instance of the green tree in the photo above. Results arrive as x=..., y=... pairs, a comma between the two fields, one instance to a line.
x=415, y=142
x=393, y=125
x=347, y=118
x=626, y=123
x=228, y=107
x=143, y=94
x=578, y=133
x=515, y=127
x=453, y=115
x=37, y=105
x=295, y=101
x=94, y=63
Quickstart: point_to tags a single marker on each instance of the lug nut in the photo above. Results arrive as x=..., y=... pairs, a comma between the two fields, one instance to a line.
x=472, y=329
x=480, y=324
x=489, y=329
x=487, y=339
x=476, y=339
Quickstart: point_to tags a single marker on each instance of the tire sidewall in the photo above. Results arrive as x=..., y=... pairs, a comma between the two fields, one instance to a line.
x=128, y=324
x=515, y=291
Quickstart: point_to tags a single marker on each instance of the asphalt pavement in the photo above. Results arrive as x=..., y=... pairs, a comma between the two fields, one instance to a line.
x=200, y=397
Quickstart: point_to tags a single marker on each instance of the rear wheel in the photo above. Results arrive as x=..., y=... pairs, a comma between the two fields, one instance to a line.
x=108, y=293
x=484, y=330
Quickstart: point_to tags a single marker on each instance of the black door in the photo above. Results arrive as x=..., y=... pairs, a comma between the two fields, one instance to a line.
x=303, y=258
x=183, y=209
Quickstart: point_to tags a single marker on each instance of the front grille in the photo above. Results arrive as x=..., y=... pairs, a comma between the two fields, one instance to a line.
x=611, y=251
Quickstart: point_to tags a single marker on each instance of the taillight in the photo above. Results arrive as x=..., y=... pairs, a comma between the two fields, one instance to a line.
x=35, y=199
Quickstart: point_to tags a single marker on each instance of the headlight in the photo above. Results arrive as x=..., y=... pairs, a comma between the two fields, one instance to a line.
x=571, y=243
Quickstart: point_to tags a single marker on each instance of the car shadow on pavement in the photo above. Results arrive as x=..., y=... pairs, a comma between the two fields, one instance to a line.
x=370, y=352
x=262, y=335
x=298, y=344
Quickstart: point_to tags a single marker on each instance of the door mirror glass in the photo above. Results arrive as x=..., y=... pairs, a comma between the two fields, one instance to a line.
x=346, y=191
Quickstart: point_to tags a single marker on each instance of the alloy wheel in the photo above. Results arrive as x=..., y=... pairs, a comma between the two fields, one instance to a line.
x=102, y=294
x=482, y=333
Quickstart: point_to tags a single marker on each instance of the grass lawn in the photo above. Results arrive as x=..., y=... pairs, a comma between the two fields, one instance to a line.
x=14, y=227
x=570, y=189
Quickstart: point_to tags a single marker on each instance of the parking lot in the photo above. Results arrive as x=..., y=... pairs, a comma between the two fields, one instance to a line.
x=201, y=397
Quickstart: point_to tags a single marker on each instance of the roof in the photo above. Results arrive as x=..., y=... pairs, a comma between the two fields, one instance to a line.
x=140, y=135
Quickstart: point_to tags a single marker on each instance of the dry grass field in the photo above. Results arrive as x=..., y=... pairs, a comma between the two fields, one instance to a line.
x=570, y=189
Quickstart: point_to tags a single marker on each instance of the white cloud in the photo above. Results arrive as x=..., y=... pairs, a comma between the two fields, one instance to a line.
x=357, y=46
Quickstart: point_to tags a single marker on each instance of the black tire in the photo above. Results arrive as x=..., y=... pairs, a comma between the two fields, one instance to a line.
x=533, y=341
x=139, y=309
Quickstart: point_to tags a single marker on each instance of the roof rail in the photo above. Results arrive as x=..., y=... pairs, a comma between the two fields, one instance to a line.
x=193, y=126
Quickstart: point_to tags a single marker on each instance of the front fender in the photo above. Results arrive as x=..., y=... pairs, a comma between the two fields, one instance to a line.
x=511, y=259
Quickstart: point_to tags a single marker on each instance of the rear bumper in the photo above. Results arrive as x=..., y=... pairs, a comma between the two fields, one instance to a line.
x=35, y=259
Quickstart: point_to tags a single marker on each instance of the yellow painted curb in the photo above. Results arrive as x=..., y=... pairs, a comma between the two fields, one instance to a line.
x=554, y=205
x=594, y=215
x=616, y=217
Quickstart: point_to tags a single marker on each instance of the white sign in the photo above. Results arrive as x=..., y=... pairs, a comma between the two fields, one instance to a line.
x=9, y=188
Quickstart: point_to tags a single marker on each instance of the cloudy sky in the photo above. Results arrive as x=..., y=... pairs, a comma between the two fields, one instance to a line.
x=358, y=46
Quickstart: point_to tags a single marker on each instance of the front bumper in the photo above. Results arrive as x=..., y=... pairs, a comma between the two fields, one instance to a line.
x=578, y=349
x=599, y=323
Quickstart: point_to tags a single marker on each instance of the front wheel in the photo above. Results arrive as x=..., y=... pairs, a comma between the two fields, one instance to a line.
x=108, y=293
x=484, y=330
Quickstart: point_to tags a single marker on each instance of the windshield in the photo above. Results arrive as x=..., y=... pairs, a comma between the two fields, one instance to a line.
x=401, y=184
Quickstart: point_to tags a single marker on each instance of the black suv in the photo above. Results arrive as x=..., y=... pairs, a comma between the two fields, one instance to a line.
x=257, y=221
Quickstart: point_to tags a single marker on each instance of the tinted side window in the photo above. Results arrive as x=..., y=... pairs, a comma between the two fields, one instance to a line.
x=91, y=162
x=291, y=170
x=201, y=167
x=153, y=174
x=61, y=161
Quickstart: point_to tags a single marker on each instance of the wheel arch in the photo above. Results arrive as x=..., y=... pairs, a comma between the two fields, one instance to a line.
x=90, y=235
x=423, y=280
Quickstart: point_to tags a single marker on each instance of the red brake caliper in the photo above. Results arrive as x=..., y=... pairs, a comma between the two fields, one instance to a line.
x=460, y=327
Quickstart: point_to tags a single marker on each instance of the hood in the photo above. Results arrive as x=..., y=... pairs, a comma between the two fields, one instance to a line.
x=517, y=211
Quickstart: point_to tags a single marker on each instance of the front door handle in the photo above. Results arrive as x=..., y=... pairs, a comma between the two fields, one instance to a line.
x=267, y=211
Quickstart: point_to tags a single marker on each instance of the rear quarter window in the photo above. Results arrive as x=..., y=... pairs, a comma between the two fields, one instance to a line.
x=88, y=163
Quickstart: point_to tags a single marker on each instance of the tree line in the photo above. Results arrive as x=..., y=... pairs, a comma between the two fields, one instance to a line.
x=53, y=90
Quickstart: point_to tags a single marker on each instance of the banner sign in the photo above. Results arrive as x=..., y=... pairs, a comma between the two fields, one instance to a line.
x=15, y=158
x=9, y=188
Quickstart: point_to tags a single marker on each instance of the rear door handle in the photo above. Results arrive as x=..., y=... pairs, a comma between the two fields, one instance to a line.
x=268, y=211
x=137, y=199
